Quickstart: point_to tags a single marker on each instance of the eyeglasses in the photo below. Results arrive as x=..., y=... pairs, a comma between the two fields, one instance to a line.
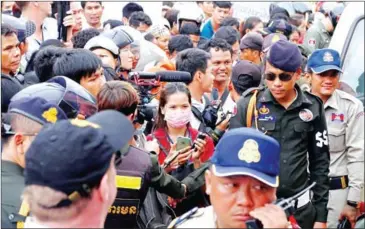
x=285, y=77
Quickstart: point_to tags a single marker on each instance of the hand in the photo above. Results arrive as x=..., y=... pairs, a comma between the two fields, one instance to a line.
x=271, y=216
x=184, y=155
x=224, y=124
x=320, y=225
x=350, y=213
x=199, y=148
x=153, y=146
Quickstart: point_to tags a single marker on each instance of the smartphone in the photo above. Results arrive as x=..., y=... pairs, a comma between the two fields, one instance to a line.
x=182, y=142
x=201, y=136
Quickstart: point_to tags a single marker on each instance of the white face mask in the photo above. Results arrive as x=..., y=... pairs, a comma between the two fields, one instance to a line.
x=177, y=119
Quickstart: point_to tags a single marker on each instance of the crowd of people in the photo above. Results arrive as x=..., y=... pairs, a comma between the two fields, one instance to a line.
x=199, y=119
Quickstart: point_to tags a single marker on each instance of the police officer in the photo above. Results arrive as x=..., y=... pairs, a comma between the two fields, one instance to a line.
x=26, y=117
x=345, y=121
x=138, y=169
x=241, y=183
x=296, y=120
x=319, y=34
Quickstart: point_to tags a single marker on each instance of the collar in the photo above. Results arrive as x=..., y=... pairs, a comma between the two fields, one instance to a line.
x=301, y=97
x=332, y=101
x=11, y=167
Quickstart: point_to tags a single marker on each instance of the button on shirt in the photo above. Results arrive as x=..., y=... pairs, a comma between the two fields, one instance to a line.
x=345, y=121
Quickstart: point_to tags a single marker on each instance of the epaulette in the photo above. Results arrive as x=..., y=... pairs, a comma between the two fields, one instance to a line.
x=251, y=90
x=313, y=97
x=195, y=212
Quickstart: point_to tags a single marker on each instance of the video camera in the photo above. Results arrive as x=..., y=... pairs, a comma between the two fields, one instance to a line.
x=147, y=81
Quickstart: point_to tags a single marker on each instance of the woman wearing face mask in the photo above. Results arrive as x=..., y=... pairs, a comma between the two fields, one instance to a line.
x=173, y=119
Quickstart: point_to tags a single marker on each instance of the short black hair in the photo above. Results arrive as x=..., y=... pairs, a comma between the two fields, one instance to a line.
x=83, y=3
x=168, y=3
x=222, y=4
x=230, y=21
x=190, y=28
x=76, y=64
x=228, y=34
x=7, y=30
x=139, y=17
x=192, y=60
x=250, y=23
x=171, y=16
x=113, y=23
x=44, y=61
x=80, y=39
x=149, y=37
x=217, y=44
x=179, y=43
x=130, y=8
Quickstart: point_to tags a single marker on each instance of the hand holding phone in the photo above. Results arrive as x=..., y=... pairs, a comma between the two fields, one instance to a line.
x=182, y=142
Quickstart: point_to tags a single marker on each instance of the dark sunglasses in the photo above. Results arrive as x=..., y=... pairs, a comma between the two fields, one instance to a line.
x=283, y=76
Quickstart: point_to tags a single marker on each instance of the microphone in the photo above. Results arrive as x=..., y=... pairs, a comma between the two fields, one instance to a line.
x=164, y=76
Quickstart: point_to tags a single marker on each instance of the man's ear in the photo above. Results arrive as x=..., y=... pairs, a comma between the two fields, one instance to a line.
x=297, y=74
x=103, y=189
x=198, y=76
x=125, y=21
x=19, y=140
x=230, y=85
x=208, y=182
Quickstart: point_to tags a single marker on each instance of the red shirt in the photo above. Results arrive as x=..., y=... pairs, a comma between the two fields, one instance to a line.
x=162, y=139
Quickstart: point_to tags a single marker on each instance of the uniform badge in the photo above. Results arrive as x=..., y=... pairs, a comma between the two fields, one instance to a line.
x=306, y=115
x=327, y=57
x=312, y=42
x=275, y=38
x=267, y=118
x=250, y=151
x=337, y=117
x=50, y=115
x=264, y=110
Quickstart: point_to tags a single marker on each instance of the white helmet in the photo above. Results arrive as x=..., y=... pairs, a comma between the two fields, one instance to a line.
x=194, y=14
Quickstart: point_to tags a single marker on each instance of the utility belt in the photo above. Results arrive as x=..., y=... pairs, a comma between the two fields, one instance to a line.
x=340, y=182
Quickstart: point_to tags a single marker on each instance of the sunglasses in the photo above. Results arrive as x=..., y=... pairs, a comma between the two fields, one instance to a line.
x=285, y=77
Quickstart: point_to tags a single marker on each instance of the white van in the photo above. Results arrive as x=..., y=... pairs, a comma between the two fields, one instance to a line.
x=348, y=40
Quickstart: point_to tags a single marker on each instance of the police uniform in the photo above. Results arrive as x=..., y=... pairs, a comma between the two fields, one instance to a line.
x=317, y=37
x=302, y=133
x=242, y=151
x=345, y=121
x=13, y=210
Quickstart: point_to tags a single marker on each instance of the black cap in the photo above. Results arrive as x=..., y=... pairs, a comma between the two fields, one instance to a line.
x=285, y=56
x=245, y=75
x=252, y=40
x=279, y=26
x=73, y=156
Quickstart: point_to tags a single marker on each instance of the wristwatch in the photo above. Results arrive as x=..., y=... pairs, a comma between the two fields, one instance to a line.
x=353, y=204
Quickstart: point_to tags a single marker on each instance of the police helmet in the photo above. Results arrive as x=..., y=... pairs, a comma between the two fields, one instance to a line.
x=70, y=96
x=193, y=14
x=119, y=36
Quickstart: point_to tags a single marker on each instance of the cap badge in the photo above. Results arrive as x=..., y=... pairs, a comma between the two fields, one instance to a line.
x=50, y=115
x=264, y=110
x=84, y=123
x=327, y=57
x=306, y=115
x=275, y=38
x=250, y=151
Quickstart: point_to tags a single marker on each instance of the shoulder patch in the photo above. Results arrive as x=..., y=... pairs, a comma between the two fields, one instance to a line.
x=347, y=96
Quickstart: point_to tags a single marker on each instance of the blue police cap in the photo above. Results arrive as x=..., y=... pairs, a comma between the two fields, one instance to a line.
x=285, y=56
x=73, y=156
x=323, y=60
x=37, y=109
x=249, y=152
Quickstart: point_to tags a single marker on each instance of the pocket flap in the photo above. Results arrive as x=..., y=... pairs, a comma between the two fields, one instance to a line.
x=303, y=127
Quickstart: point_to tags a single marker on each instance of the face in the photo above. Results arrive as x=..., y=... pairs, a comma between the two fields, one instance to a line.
x=7, y=6
x=236, y=51
x=195, y=39
x=77, y=12
x=93, y=12
x=126, y=57
x=219, y=14
x=207, y=78
x=163, y=42
x=207, y=8
x=106, y=57
x=222, y=65
x=136, y=51
x=249, y=54
x=325, y=84
x=10, y=54
x=177, y=102
x=234, y=197
x=94, y=83
x=281, y=90
x=142, y=27
x=259, y=26
x=294, y=37
x=45, y=8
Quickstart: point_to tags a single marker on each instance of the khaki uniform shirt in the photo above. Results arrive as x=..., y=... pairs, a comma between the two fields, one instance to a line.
x=345, y=122
x=316, y=37
x=203, y=218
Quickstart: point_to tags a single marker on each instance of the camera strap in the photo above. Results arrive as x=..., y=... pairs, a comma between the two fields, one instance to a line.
x=199, y=115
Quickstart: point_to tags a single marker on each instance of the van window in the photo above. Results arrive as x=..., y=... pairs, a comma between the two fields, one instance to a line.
x=353, y=63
